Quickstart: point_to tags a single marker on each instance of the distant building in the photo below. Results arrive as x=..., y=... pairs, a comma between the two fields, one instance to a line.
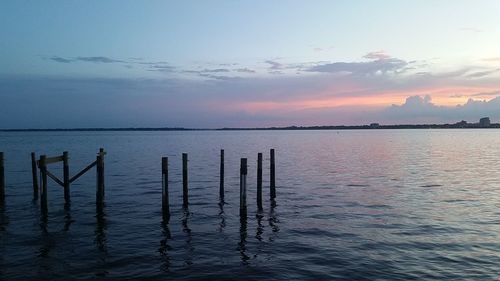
x=374, y=125
x=484, y=122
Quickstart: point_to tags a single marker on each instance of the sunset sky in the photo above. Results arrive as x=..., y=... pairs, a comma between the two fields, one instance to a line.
x=209, y=64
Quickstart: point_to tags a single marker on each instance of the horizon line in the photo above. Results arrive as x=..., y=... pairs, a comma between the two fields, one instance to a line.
x=292, y=127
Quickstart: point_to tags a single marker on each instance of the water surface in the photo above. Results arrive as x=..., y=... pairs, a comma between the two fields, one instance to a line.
x=364, y=205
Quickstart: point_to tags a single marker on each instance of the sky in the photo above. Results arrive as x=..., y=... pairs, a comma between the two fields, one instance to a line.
x=213, y=64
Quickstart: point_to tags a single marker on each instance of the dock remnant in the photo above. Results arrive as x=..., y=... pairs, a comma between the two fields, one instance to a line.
x=221, y=176
x=165, y=205
x=185, y=202
x=243, y=187
x=272, y=175
x=2, y=178
x=259, y=181
x=100, y=177
x=34, y=173
x=44, y=161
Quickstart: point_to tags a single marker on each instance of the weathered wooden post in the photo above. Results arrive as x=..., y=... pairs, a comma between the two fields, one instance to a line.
x=221, y=175
x=34, y=176
x=164, y=198
x=259, y=181
x=43, y=176
x=185, y=180
x=2, y=178
x=66, y=177
x=100, y=177
x=272, y=176
x=243, y=187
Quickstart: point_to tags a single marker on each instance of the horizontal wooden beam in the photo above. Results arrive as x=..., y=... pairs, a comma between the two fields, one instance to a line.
x=55, y=159
x=50, y=160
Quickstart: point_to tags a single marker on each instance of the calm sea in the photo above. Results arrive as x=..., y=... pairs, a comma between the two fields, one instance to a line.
x=354, y=205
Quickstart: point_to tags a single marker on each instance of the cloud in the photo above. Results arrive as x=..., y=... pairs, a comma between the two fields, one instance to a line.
x=420, y=109
x=274, y=65
x=377, y=55
x=219, y=77
x=380, y=66
x=479, y=74
x=494, y=93
x=471, y=29
x=493, y=59
x=98, y=59
x=245, y=70
x=161, y=68
x=416, y=103
x=217, y=70
x=61, y=60
x=335, y=92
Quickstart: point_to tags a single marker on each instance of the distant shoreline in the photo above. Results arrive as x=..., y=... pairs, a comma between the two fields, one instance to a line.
x=289, y=128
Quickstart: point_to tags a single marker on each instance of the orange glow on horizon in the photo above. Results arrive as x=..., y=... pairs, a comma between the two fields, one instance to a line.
x=442, y=96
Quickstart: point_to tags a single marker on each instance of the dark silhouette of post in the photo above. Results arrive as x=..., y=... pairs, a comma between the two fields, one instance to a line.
x=43, y=175
x=34, y=176
x=243, y=187
x=2, y=178
x=184, y=180
x=100, y=177
x=164, y=198
x=221, y=175
x=272, y=176
x=259, y=181
x=66, y=177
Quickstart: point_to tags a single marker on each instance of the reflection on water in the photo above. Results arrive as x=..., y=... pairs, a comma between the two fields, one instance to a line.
x=100, y=240
x=4, y=219
x=273, y=220
x=67, y=216
x=243, y=240
x=222, y=217
x=380, y=205
x=188, y=259
x=45, y=238
x=260, y=227
x=165, y=247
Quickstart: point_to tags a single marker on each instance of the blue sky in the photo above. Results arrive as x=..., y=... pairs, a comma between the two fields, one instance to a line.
x=247, y=63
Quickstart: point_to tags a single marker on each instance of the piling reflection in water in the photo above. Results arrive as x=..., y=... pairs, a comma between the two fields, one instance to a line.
x=273, y=220
x=45, y=236
x=101, y=240
x=243, y=241
x=4, y=219
x=188, y=261
x=222, y=216
x=260, y=228
x=165, y=247
x=67, y=216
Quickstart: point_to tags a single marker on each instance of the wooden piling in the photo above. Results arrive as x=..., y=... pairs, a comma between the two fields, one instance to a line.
x=185, y=180
x=100, y=177
x=165, y=201
x=221, y=175
x=272, y=176
x=66, y=177
x=34, y=176
x=2, y=178
x=259, y=181
x=43, y=176
x=243, y=187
